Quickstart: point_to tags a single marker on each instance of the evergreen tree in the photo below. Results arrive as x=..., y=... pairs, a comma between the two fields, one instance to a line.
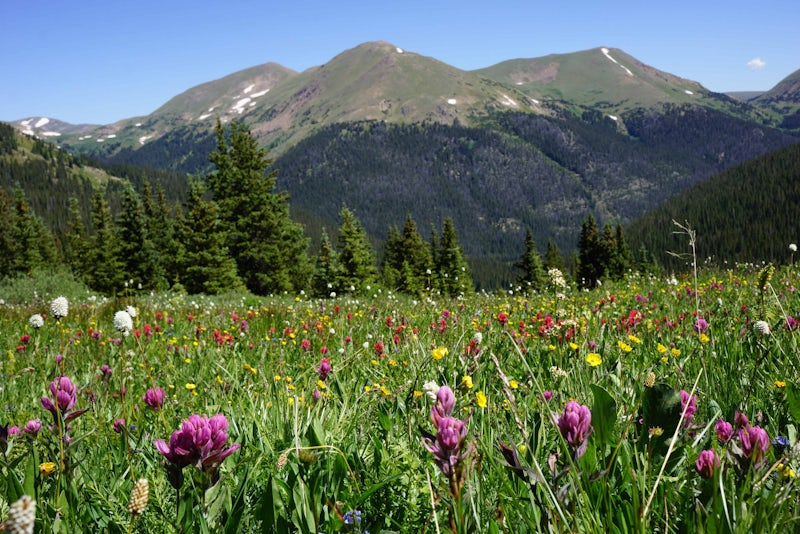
x=417, y=263
x=140, y=262
x=552, y=257
x=207, y=265
x=392, y=258
x=533, y=276
x=104, y=271
x=357, y=267
x=34, y=246
x=621, y=259
x=590, y=266
x=75, y=246
x=327, y=269
x=268, y=247
x=452, y=271
x=7, y=243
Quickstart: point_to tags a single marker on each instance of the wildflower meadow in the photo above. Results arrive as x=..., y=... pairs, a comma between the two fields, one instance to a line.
x=654, y=404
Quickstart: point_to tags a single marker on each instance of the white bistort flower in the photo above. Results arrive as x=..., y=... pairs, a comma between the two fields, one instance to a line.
x=36, y=321
x=123, y=322
x=131, y=311
x=431, y=389
x=762, y=327
x=793, y=247
x=21, y=516
x=59, y=307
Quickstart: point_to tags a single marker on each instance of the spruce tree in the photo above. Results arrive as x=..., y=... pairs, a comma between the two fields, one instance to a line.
x=590, y=264
x=622, y=258
x=357, y=268
x=140, y=262
x=552, y=257
x=532, y=276
x=452, y=271
x=8, y=247
x=207, y=265
x=268, y=247
x=104, y=271
x=34, y=246
x=392, y=258
x=326, y=269
x=416, y=269
x=75, y=246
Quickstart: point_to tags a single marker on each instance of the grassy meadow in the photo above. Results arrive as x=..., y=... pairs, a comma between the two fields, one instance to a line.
x=651, y=405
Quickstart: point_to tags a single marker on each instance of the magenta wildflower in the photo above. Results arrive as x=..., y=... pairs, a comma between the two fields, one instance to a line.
x=445, y=402
x=701, y=326
x=64, y=393
x=724, y=430
x=154, y=398
x=754, y=442
x=32, y=427
x=324, y=368
x=200, y=441
x=706, y=462
x=689, y=406
x=119, y=425
x=575, y=424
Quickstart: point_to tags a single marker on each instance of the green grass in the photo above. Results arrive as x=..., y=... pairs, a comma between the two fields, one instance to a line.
x=304, y=461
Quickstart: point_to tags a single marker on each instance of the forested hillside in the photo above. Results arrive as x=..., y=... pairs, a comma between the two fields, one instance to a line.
x=748, y=213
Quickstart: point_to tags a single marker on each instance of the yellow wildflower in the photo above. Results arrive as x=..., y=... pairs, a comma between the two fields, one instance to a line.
x=594, y=359
x=661, y=348
x=780, y=383
x=466, y=381
x=47, y=468
x=675, y=353
x=439, y=353
x=634, y=339
x=417, y=394
x=480, y=399
x=704, y=338
x=513, y=384
x=624, y=347
x=573, y=346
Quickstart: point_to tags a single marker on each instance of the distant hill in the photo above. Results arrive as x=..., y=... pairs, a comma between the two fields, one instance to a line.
x=753, y=217
x=784, y=99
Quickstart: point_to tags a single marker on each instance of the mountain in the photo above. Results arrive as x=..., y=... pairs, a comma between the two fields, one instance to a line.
x=783, y=99
x=753, y=217
x=606, y=79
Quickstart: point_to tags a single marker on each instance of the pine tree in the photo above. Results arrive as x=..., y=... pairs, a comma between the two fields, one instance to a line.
x=357, y=268
x=417, y=263
x=140, y=262
x=8, y=246
x=452, y=270
x=207, y=265
x=104, y=272
x=268, y=247
x=622, y=258
x=533, y=276
x=326, y=269
x=590, y=267
x=392, y=258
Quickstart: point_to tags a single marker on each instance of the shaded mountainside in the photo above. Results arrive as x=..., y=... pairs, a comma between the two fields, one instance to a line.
x=518, y=171
x=748, y=213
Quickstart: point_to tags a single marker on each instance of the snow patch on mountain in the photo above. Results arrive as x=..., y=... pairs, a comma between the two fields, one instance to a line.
x=249, y=88
x=508, y=102
x=688, y=92
x=51, y=134
x=238, y=107
x=144, y=138
x=28, y=131
x=41, y=122
x=260, y=93
x=605, y=53
x=204, y=116
x=26, y=122
x=399, y=50
x=451, y=101
x=613, y=117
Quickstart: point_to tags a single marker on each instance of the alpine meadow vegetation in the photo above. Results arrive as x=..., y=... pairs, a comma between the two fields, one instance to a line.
x=647, y=404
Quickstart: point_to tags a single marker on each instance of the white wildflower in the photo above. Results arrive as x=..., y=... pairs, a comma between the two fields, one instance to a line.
x=36, y=321
x=431, y=389
x=762, y=327
x=131, y=311
x=21, y=516
x=59, y=307
x=123, y=322
x=793, y=247
x=478, y=337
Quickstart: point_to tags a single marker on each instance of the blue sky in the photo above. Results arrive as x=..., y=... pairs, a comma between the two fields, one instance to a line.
x=86, y=61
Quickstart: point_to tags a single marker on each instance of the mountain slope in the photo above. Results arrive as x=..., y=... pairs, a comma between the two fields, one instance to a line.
x=606, y=79
x=753, y=217
x=784, y=99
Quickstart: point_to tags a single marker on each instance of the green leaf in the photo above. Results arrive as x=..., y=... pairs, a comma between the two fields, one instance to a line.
x=661, y=407
x=793, y=401
x=604, y=414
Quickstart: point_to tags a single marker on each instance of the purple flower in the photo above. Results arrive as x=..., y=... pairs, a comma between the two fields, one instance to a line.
x=547, y=395
x=107, y=371
x=448, y=444
x=740, y=420
x=119, y=425
x=200, y=442
x=724, y=430
x=32, y=427
x=575, y=424
x=701, y=326
x=445, y=402
x=64, y=393
x=706, y=462
x=689, y=405
x=154, y=398
x=754, y=442
x=324, y=368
